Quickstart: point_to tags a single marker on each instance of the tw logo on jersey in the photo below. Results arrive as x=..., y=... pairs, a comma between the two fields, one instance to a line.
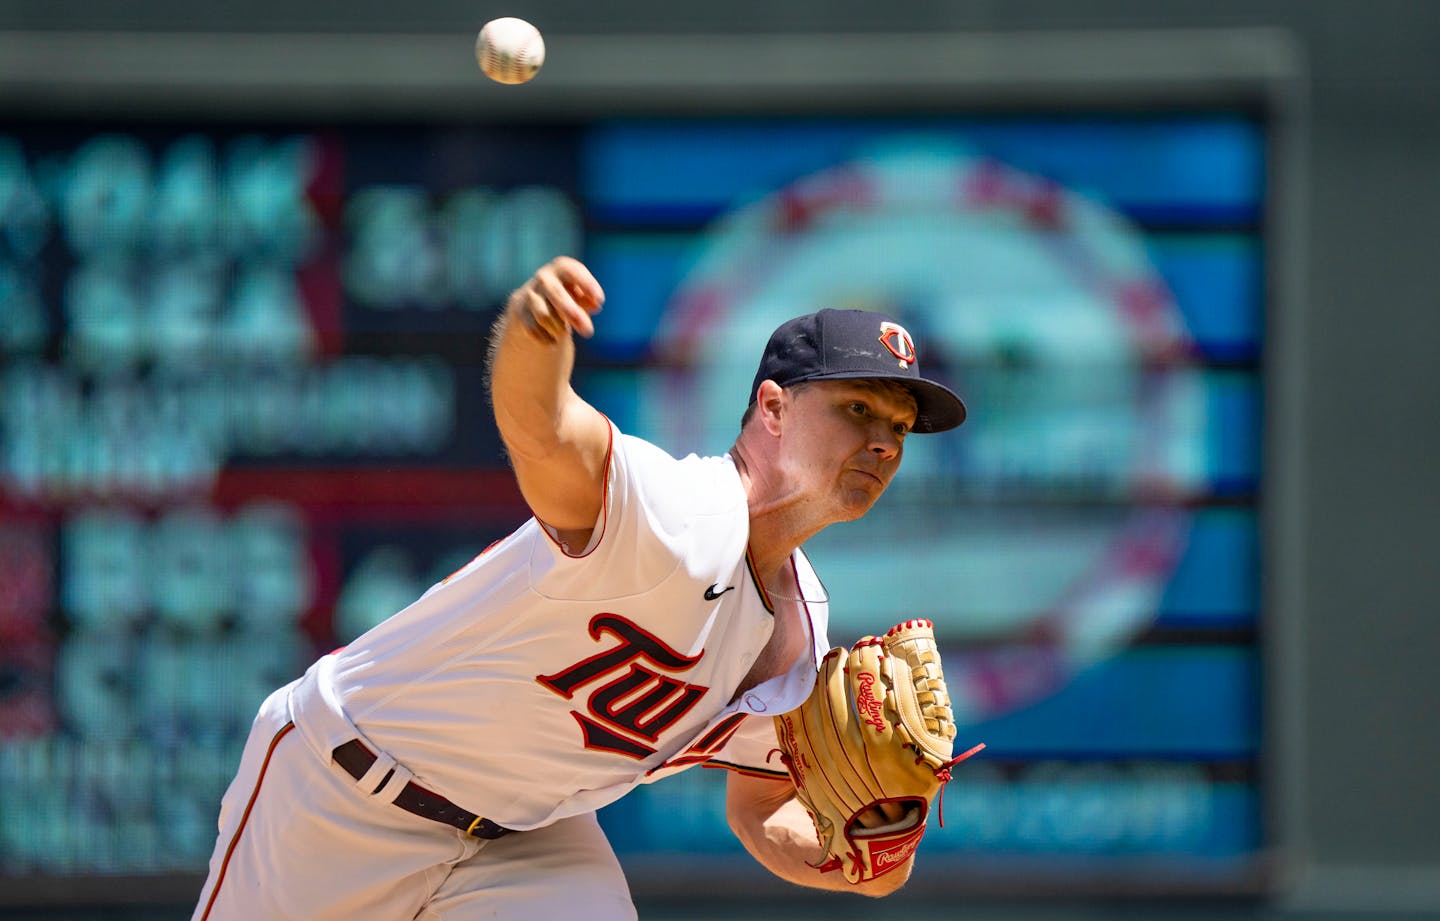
x=633, y=694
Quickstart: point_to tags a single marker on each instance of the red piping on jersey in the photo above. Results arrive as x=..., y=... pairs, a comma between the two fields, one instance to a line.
x=604, y=499
x=759, y=585
x=746, y=770
x=244, y=818
x=765, y=596
x=492, y=545
x=809, y=618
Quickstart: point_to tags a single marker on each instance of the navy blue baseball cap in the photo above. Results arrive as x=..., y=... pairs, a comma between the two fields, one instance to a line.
x=833, y=345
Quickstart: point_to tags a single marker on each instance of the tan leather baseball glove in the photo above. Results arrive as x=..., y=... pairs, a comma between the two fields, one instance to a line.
x=877, y=729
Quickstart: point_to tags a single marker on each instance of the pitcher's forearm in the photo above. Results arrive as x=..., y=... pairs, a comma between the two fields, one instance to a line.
x=557, y=442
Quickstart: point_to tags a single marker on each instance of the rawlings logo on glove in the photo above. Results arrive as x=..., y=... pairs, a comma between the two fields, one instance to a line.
x=877, y=729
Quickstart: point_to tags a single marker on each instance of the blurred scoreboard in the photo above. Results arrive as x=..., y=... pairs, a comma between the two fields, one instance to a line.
x=243, y=418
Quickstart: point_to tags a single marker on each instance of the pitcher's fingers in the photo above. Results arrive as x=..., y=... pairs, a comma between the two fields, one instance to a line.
x=539, y=320
x=881, y=814
x=581, y=283
x=575, y=272
x=890, y=812
x=555, y=290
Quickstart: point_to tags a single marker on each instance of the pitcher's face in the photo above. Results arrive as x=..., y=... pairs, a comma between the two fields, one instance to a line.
x=845, y=438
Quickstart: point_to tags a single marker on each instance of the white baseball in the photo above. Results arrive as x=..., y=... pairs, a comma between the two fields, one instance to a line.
x=509, y=50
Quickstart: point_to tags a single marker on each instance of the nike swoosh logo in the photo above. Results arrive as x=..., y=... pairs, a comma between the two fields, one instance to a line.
x=711, y=594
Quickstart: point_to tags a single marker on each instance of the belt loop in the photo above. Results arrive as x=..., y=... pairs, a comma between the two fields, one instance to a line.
x=378, y=775
x=398, y=778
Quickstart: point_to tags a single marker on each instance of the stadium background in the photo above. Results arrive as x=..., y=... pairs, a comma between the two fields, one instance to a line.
x=1275, y=161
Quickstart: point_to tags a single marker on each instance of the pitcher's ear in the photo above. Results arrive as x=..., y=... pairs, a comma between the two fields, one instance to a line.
x=769, y=401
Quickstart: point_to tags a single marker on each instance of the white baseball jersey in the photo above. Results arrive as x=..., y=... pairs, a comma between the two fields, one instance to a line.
x=539, y=683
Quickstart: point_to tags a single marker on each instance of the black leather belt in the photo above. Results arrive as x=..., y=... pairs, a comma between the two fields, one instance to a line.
x=356, y=759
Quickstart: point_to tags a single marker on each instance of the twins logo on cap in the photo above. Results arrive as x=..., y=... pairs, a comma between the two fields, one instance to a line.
x=894, y=337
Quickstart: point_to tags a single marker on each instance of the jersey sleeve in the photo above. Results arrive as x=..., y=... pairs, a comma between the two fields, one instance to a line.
x=655, y=512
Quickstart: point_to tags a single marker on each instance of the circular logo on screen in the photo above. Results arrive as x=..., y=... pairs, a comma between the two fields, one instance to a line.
x=1042, y=533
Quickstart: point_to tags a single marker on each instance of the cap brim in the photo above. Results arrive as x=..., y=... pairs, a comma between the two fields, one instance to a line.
x=937, y=407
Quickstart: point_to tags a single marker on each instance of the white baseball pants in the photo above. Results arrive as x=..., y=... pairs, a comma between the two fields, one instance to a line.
x=301, y=840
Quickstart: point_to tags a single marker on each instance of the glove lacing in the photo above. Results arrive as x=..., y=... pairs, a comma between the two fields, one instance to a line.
x=943, y=775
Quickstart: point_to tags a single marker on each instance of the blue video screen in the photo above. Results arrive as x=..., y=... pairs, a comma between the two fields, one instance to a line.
x=243, y=419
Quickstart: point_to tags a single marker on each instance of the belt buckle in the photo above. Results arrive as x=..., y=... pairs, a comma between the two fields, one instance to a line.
x=484, y=828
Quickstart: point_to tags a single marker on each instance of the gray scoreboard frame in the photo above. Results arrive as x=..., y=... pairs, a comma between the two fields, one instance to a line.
x=293, y=76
